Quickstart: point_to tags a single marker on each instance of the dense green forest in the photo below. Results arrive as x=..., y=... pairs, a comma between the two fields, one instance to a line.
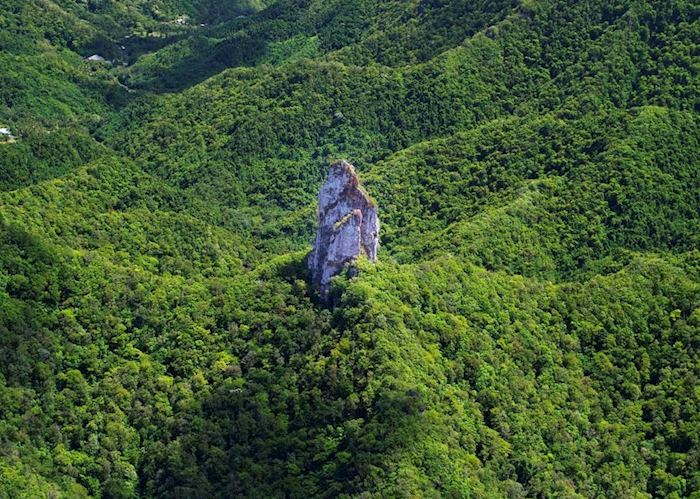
x=532, y=327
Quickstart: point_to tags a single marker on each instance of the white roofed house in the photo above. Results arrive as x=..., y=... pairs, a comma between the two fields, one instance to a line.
x=6, y=135
x=97, y=58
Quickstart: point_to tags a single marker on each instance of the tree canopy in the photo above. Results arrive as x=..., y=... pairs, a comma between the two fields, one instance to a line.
x=532, y=327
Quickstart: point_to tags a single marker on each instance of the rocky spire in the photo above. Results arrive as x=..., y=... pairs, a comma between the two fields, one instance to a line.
x=347, y=225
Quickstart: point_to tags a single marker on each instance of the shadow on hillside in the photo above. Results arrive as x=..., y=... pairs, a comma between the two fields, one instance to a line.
x=205, y=62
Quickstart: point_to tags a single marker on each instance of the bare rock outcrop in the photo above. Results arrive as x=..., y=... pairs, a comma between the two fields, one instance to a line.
x=348, y=226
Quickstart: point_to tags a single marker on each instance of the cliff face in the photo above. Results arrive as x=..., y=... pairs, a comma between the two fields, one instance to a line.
x=347, y=225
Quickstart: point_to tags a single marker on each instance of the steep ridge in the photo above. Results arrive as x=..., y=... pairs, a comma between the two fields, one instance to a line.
x=387, y=110
x=348, y=226
x=530, y=330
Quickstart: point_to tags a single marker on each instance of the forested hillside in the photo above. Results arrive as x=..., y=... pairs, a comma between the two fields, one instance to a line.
x=532, y=327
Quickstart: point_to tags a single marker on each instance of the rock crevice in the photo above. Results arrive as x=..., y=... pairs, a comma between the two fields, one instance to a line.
x=348, y=226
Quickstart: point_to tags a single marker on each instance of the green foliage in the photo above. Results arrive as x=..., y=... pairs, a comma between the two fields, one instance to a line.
x=532, y=327
x=292, y=50
x=498, y=195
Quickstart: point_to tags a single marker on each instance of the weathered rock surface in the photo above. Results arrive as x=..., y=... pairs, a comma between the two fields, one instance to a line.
x=348, y=226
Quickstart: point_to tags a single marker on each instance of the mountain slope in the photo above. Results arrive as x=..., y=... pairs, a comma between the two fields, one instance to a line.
x=531, y=328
